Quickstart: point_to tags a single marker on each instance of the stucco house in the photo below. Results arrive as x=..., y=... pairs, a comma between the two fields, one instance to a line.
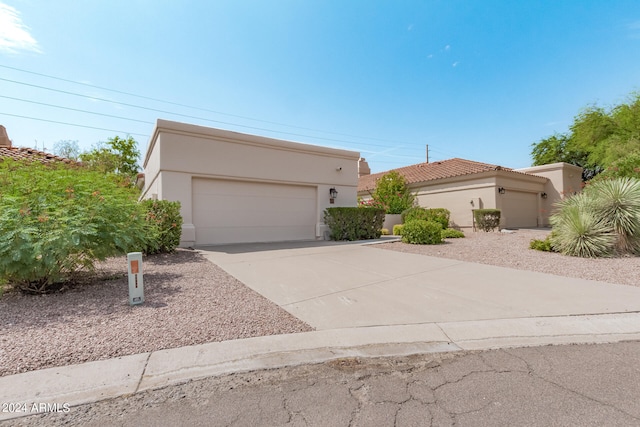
x=525, y=197
x=236, y=188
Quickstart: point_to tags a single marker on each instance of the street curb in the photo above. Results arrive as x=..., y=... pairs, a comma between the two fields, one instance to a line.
x=94, y=381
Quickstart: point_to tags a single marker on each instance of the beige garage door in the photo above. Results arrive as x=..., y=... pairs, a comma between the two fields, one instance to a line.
x=240, y=212
x=520, y=209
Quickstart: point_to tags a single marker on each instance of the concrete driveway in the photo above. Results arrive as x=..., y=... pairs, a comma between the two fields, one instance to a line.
x=341, y=285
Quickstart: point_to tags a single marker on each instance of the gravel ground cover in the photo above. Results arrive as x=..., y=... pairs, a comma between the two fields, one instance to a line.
x=188, y=300
x=511, y=249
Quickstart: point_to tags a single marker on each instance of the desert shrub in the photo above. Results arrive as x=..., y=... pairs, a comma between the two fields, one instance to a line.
x=439, y=215
x=56, y=220
x=397, y=229
x=451, y=233
x=384, y=232
x=354, y=223
x=542, y=245
x=618, y=202
x=578, y=231
x=413, y=213
x=420, y=232
x=602, y=220
x=487, y=219
x=165, y=226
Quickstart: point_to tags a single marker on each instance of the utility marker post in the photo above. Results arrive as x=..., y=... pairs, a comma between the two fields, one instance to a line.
x=136, y=286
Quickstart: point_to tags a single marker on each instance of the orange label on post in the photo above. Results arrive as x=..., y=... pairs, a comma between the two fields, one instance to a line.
x=134, y=267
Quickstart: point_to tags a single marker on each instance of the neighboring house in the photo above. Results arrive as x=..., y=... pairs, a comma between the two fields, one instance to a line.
x=236, y=188
x=525, y=197
x=20, y=153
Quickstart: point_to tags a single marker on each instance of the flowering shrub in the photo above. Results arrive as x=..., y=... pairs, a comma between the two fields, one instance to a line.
x=165, y=225
x=58, y=219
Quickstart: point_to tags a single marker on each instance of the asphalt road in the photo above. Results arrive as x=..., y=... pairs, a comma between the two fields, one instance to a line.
x=573, y=385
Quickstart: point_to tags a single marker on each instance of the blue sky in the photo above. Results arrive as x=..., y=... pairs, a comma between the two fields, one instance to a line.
x=481, y=80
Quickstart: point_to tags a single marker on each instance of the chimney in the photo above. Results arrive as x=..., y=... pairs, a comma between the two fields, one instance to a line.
x=4, y=138
x=363, y=167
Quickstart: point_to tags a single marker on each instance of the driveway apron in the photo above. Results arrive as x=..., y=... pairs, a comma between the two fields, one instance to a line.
x=340, y=285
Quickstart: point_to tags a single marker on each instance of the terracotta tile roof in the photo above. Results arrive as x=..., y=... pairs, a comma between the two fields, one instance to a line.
x=431, y=171
x=19, y=153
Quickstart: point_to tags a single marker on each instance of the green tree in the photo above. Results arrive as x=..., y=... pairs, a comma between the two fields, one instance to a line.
x=393, y=193
x=68, y=149
x=117, y=155
x=596, y=140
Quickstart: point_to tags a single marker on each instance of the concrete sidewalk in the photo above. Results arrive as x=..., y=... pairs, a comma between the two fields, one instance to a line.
x=94, y=381
x=363, y=302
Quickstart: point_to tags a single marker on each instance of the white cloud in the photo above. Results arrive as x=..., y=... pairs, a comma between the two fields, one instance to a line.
x=455, y=64
x=447, y=47
x=14, y=35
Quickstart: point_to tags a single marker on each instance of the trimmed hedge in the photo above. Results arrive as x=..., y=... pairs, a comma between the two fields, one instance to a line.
x=487, y=219
x=440, y=215
x=421, y=232
x=354, y=223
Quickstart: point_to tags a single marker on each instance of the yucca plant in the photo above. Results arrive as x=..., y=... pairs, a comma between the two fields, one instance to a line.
x=618, y=202
x=578, y=231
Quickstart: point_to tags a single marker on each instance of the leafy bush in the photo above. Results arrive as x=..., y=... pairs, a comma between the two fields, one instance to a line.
x=397, y=229
x=439, y=215
x=487, y=219
x=542, y=245
x=59, y=219
x=354, y=223
x=451, y=233
x=392, y=193
x=602, y=220
x=420, y=232
x=384, y=232
x=165, y=225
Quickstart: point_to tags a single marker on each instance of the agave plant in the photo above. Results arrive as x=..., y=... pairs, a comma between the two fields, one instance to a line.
x=618, y=202
x=578, y=231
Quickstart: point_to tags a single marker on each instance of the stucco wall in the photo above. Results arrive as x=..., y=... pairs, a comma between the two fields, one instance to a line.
x=179, y=152
x=564, y=180
x=461, y=195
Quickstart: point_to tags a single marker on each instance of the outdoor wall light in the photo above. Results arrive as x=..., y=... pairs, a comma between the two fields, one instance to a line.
x=501, y=190
x=543, y=195
x=333, y=193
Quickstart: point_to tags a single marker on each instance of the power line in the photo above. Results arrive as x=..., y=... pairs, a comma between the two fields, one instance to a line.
x=71, y=124
x=196, y=108
x=186, y=115
x=77, y=109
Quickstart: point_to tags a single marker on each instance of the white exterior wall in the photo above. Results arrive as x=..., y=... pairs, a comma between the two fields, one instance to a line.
x=179, y=152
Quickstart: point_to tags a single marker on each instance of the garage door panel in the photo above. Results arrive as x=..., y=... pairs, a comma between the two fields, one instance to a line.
x=520, y=209
x=240, y=211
